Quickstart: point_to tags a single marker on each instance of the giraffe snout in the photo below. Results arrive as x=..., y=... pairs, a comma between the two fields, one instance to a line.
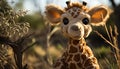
x=75, y=28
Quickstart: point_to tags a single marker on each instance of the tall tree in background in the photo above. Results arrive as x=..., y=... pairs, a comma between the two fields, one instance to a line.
x=11, y=35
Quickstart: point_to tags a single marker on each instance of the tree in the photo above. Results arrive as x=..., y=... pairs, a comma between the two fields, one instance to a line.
x=12, y=34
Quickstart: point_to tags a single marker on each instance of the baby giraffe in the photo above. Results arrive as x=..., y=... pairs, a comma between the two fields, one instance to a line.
x=76, y=20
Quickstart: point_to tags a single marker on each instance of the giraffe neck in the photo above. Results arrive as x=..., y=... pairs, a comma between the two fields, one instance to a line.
x=76, y=46
x=77, y=56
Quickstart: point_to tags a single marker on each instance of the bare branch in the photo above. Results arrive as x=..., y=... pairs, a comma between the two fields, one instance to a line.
x=29, y=46
x=105, y=39
x=7, y=41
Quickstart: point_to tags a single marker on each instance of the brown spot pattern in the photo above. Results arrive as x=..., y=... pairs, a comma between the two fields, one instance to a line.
x=88, y=63
x=78, y=5
x=83, y=57
x=75, y=42
x=65, y=54
x=77, y=57
x=73, y=66
x=80, y=65
x=73, y=49
x=72, y=13
x=78, y=13
x=58, y=63
x=75, y=16
x=80, y=49
x=69, y=58
x=74, y=9
x=63, y=67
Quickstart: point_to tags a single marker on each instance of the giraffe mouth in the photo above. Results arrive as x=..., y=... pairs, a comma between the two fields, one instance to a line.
x=75, y=35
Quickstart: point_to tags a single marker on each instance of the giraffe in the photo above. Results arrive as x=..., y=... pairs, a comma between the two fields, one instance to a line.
x=75, y=21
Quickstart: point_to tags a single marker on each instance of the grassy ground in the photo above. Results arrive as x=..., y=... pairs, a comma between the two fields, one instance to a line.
x=36, y=57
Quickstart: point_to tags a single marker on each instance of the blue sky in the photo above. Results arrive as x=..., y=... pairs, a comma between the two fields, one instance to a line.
x=36, y=5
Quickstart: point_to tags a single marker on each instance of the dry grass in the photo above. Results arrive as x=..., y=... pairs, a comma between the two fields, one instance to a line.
x=112, y=34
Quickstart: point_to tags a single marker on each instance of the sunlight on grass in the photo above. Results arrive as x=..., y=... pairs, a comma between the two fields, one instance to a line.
x=39, y=50
x=101, y=52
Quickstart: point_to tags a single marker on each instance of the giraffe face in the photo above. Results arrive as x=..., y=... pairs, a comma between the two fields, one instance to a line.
x=76, y=19
x=75, y=23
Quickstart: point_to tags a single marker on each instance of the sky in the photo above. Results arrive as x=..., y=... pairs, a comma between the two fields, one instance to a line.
x=39, y=5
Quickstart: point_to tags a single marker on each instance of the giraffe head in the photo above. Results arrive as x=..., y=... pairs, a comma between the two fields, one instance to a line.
x=76, y=19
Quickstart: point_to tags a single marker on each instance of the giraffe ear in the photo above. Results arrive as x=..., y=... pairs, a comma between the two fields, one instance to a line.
x=99, y=15
x=53, y=13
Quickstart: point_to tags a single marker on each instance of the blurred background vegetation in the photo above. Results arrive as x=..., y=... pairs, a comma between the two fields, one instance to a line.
x=24, y=20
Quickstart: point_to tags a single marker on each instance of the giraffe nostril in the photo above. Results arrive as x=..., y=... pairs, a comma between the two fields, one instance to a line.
x=75, y=28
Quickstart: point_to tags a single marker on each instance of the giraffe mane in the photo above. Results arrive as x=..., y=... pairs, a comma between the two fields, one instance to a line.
x=76, y=4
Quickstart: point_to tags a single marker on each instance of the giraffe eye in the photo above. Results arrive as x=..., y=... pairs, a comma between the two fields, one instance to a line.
x=85, y=21
x=65, y=21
